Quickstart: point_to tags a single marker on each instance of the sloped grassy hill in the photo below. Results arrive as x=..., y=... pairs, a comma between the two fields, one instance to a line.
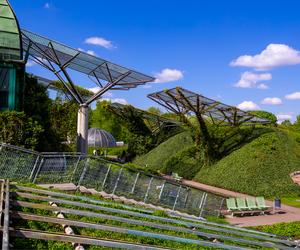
x=261, y=167
x=157, y=157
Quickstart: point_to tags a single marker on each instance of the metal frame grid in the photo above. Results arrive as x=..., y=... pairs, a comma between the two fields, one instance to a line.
x=57, y=58
x=182, y=101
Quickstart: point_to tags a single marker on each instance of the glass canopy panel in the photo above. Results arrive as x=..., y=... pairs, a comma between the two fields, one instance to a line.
x=78, y=60
x=187, y=100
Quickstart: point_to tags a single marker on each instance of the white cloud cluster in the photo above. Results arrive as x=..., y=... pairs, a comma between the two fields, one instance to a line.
x=272, y=101
x=100, y=41
x=90, y=52
x=248, y=105
x=30, y=63
x=274, y=55
x=168, y=75
x=293, y=96
x=252, y=80
x=284, y=116
x=118, y=100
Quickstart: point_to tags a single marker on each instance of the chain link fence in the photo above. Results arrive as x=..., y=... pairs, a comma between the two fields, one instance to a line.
x=93, y=172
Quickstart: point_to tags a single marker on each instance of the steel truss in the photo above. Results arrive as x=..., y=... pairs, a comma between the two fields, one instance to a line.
x=57, y=58
x=182, y=101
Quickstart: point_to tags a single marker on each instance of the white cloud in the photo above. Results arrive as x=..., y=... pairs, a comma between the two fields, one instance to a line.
x=251, y=80
x=118, y=100
x=272, y=101
x=147, y=86
x=275, y=55
x=168, y=75
x=293, y=96
x=97, y=89
x=284, y=116
x=248, y=105
x=90, y=52
x=100, y=41
x=47, y=6
x=30, y=63
x=262, y=86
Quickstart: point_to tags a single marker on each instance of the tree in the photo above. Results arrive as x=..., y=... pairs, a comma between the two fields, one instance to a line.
x=286, y=123
x=103, y=118
x=265, y=114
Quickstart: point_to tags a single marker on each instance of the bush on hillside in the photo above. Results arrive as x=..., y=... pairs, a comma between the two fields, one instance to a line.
x=156, y=158
x=261, y=167
x=184, y=163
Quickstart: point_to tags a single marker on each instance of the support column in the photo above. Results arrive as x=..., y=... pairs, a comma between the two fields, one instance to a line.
x=82, y=129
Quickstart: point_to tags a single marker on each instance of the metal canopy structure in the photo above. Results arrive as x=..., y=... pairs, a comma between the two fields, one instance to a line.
x=155, y=122
x=58, y=58
x=180, y=100
x=58, y=87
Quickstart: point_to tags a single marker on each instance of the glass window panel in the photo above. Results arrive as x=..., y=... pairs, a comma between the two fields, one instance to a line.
x=5, y=11
x=8, y=25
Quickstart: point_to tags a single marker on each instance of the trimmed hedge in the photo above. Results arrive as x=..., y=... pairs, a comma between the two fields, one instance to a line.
x=156, y=158
x=261, y=167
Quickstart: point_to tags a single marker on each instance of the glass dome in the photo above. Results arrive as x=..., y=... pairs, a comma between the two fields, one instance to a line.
x=100, y=138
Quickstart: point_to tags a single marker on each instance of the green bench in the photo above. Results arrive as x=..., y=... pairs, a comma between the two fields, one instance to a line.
x=249, y=205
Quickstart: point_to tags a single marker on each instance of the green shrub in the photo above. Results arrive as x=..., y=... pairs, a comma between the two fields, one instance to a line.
x=156, y=158
x=261, y=167
x=17, y=129
x=184, y=163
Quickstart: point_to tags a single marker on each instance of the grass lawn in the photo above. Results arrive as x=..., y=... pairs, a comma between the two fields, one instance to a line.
x=291, y=201
x=291, y=229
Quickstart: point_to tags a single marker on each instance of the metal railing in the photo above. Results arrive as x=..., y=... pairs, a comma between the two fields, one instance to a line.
x=23, y=165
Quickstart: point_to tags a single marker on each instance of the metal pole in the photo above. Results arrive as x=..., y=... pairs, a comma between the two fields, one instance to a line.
x=117, y=181
x=186, y=196
x=106, y=176
x=148, y=188
x=82, y=129
x=5, y=232
x=34, y=167
x=202, y=204
x=175, y=202
x=161, y=190
x=135, y=181
x=38, y=170
x=86, y=165
x=75, y=169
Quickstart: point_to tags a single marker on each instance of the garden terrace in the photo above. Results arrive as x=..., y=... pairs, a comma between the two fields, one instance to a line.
x=40, y=216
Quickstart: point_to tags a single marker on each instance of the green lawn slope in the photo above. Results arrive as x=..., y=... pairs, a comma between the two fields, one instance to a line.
x=156, y=158
x=261, y=167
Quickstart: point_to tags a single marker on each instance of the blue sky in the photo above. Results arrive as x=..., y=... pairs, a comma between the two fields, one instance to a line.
x=199, y=45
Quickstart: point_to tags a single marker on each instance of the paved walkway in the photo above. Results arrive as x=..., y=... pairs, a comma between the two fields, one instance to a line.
x=291, y=213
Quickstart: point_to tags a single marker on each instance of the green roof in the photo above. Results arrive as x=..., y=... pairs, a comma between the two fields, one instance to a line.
x=10, y=42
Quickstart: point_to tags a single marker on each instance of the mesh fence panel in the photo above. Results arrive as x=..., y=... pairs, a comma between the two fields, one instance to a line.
x=126, y=183
x=24, y=165
x=155, y=190
x=57, y=168
x=16, y=164
x=141, y=188
x=169, y=194
x=93, y=174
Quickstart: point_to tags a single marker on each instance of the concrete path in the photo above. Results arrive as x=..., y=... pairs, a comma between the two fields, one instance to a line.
x=291, y=213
